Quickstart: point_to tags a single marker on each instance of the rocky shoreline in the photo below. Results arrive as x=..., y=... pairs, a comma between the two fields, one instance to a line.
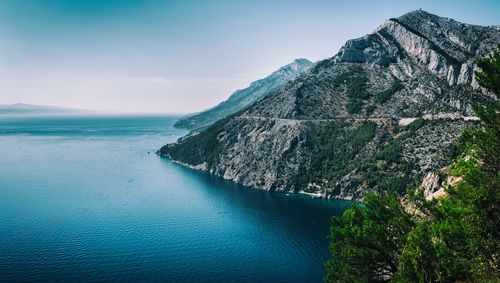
x=383, y=112
x=203, y=168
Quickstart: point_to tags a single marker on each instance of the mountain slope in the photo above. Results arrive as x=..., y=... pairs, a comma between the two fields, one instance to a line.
x=339, y=130
x=243, y=98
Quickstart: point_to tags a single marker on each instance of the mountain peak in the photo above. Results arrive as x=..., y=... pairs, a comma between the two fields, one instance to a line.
x=302, y=61
x=242, y=98
x=299, y=65
x=447, y=47
x=300, y=136
x=419, y=13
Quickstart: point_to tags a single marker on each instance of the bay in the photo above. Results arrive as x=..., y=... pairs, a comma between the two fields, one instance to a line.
x=84, y=198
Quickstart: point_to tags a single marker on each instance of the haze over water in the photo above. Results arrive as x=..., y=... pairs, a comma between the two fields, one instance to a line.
x=82, y=200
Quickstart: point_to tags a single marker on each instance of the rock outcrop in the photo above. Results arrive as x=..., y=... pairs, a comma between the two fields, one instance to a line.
x=431, y=185
x=336, y=129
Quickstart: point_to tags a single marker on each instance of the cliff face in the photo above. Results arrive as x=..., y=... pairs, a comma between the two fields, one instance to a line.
x=243, y=98
x=338, y=130
x=445, y=47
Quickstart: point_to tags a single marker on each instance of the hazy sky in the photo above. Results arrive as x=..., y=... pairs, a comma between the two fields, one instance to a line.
x=178, y=56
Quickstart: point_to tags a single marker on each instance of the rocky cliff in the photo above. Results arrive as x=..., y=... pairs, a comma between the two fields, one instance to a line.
x=340, y=130
x=243, y=98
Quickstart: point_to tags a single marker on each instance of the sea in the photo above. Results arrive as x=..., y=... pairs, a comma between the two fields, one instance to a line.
x=84, y=198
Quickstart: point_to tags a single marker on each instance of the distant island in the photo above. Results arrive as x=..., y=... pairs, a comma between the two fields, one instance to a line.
x=30, y=109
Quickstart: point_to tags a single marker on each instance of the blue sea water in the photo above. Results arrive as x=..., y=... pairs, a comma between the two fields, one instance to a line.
x=84, y=198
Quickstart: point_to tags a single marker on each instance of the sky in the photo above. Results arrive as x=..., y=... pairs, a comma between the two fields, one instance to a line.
x=152, y=56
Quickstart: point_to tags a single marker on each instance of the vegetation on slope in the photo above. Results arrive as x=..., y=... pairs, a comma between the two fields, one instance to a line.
x=355, y=81
x=367, y=152
x=367, y=240
x=450, y=239
x=385, y=95
x=337, y=146
x=203, y=147
x=356, y=91
x=276, y=145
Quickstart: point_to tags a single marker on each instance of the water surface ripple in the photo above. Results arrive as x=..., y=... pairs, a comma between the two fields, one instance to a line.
x=82, y=200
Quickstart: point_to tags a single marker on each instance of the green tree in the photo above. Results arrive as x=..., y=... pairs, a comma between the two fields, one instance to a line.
x=367, y=239
x=460, y=242
x=453, y=239
x=489, y=76
x=411, y=266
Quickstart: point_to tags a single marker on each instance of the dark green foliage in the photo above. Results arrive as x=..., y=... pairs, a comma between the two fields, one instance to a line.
x=367, y=239
x=391, y=153
x=464, y=226
x=200, y=148
x=344, y=78
x=356, y=86
x=338, y=146
x=417, y=244
x=354, y=106
x=399, y=172
x=370, y=108
x=487, y=141
x=385, y=95
x=341, y=151
x=489, y=77
x=452, y=239
x=415, y=125
x=396, y=183
x=355, y=82
x=362, y=134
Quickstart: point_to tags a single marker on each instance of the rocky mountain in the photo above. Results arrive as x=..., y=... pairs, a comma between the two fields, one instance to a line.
x=243, y=98
x=379, y=115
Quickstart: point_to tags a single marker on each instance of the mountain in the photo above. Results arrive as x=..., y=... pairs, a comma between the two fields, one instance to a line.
x=243, y=98
x=29, y=109
x=377, y=116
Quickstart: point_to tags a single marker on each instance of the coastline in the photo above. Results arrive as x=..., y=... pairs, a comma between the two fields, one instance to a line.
x=203, y=167
x=313, y=195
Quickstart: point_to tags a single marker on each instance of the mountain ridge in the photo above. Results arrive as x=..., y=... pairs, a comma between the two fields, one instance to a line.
x=242, y=98
x=336, y=131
